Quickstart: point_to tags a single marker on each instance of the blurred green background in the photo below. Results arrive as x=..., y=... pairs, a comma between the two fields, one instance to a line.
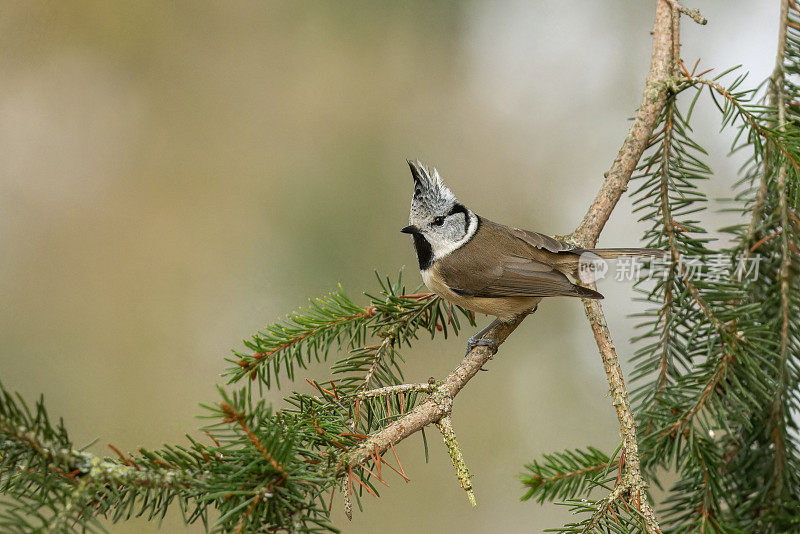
x=175, y=175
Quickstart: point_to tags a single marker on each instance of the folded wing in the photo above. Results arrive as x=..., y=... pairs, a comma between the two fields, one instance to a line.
x=515, y=276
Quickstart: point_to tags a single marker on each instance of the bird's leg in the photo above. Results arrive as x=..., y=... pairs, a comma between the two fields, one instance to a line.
x=477, y=339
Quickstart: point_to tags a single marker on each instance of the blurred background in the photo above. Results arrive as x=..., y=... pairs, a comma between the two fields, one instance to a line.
x=175, y=175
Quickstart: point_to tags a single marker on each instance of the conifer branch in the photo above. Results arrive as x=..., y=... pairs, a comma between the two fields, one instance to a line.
x=669, y=228
x=438, y=404
x=232, y=416
x=567, y=474
x=779, y=414
x=752, y=120
x=776, y=78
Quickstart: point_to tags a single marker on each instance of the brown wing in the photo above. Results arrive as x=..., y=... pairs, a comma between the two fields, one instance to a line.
x=544, y=242
x=512, y=276
x=508, y=262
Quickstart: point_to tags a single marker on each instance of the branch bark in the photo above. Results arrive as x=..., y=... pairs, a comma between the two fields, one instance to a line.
x=693, y=14
x=779, y=414
x=440, y=401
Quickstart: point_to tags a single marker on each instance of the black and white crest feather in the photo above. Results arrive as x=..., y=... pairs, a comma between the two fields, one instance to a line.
x=430, y=193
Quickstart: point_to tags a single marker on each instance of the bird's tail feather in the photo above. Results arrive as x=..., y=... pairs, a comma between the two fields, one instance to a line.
x=612, y=253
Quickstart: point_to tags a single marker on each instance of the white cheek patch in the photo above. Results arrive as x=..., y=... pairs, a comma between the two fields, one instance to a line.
x=442, y=248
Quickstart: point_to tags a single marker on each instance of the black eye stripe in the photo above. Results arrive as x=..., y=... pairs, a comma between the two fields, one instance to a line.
x=460, y=208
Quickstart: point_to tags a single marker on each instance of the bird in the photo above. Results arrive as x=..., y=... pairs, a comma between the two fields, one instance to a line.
x=488, y=267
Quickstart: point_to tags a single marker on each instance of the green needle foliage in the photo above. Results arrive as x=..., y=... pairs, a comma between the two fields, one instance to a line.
x=259, y=470
x=568, y=473
x=716, y=383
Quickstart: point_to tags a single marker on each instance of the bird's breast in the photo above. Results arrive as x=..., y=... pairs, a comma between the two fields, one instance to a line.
x=436, y=283
x=506, y=308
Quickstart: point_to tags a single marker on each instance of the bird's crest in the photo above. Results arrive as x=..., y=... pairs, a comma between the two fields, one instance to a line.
x=429, y=189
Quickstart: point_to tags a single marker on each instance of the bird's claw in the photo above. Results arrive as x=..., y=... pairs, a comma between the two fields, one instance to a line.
x=472, y=343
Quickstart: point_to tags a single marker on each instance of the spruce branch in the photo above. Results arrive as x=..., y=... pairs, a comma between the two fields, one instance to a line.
x=776, y=79
x=39, y=464
x=703, y=348
x=754, y=117
x=772, y=441
x=438, y=404
x=336, y=321
x=564, y=475
x=717, y=375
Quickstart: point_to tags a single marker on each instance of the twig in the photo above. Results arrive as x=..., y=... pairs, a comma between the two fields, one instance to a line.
x=401, y=388
x=632, y=483
x=437, y=405
x=387, y=342
x=540, y=479
x=261, y=358
x=719, y=374
x=669, y=229
x=693, y=14
x=347, y=490
x=232, y=416
x=445, y=425
x=777, y=77
x=771, y=236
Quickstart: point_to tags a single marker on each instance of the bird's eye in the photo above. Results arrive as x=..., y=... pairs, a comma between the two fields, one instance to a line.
x=438, y=221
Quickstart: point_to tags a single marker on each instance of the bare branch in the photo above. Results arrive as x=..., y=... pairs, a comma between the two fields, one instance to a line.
x=693, y=14
x=428, y=387
x=445, y=425
x=663, y=64
x=633, y=483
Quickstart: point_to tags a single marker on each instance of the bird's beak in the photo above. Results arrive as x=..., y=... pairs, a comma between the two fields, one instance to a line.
x=410, y=229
